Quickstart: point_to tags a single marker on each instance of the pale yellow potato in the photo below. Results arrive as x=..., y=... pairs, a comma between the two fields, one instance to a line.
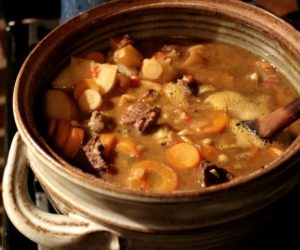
x=104, y=75
x=129, y=56
x=107, y=77
x=81, y=69
x=63, y=79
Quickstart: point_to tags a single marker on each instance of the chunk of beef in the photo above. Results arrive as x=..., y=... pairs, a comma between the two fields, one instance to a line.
x=91, y=158
x=143, y=116
x=184, y=87
x=194, y=87
x=213, y=175
x=100, y=121
x=96, y=123
x=151, y=96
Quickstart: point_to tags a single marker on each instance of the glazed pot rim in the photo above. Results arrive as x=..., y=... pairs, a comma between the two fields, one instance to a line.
x=285, y=34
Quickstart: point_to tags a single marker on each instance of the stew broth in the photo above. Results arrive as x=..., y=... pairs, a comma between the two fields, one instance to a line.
x=165, y=116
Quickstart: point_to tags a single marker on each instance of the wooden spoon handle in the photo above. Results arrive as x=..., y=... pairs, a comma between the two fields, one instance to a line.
x=270, y=124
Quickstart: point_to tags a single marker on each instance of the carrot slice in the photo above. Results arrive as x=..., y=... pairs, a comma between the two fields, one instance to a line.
x=51, y=128
x=74, y=142
x=183, y=155
x=216, y=125
x=61, y=133
x=95, y=56
x=151, y=175
x=126, y=146
x=109, y=142
x=84, y=85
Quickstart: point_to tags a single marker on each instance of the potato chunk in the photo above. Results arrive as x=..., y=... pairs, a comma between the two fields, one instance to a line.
x=106, y=80
x=81, y=69
x=129, y=56
x=63, y=80
x=104, y=75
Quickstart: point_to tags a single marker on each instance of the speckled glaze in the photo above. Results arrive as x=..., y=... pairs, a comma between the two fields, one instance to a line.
x=70, y=8
x=210, y=218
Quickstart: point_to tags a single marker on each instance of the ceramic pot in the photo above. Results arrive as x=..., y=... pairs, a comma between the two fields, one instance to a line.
x=208, y=218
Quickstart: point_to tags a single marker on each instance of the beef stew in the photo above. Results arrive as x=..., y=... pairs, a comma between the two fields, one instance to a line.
x=165, y=116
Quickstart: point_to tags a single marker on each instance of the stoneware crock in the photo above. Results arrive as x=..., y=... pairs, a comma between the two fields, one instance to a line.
x=210, y=218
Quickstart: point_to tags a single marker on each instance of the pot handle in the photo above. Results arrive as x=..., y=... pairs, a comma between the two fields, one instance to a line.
x=47, y=229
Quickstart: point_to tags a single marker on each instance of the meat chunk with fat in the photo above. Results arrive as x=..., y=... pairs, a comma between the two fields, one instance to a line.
x=91, y=158
x=211, y=174
x=151, y=96
x=142, y=115
x=99, y=121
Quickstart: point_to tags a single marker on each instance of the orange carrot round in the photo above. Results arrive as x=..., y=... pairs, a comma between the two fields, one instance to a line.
x=154, y=176
x=109, y=142
x=215, y=126
x=127, y=146
x=61, y=133
x=183, y=155
x=74, y=142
